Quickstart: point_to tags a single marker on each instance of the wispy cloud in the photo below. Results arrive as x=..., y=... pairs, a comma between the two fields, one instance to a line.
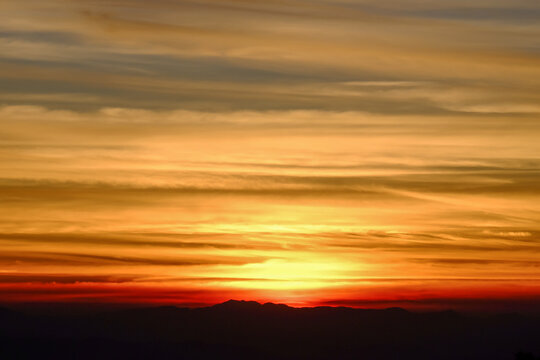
x=187, y=150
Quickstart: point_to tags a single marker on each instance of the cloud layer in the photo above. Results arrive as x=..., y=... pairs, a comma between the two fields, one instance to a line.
x=324, y=152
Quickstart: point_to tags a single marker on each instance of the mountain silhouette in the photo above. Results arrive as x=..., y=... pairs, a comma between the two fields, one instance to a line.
x=250, y=330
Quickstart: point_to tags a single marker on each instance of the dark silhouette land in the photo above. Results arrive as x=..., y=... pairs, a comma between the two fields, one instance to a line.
x=249, y=330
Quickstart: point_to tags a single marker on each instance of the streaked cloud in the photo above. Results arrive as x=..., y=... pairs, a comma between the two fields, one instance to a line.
x=318, y=152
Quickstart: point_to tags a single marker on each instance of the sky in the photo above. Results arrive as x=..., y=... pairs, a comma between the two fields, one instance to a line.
x=325, y=152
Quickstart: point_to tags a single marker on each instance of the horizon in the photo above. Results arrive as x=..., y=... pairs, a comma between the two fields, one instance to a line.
x=77, y=309
x=239, y=329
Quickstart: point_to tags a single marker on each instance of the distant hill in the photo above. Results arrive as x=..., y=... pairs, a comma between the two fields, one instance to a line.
x=249, y=330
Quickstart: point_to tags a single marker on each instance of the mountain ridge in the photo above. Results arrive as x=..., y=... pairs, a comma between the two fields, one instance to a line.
x=243, y=329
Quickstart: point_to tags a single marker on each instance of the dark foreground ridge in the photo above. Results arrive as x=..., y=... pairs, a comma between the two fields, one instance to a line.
x=249, y=330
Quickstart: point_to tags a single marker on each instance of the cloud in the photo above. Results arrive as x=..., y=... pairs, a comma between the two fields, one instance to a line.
x=89, y=259
x=15, y=278
x=467, y=261
x=293, y=56
x=222, y=241
x=269, y=145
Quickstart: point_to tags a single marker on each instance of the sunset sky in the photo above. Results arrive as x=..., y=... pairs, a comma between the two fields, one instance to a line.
x=325, y=152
